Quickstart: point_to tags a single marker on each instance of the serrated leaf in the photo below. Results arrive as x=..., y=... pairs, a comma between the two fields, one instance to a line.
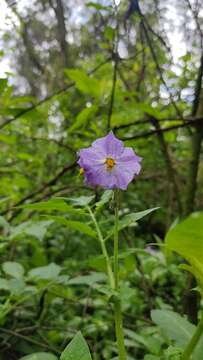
x=77, y=349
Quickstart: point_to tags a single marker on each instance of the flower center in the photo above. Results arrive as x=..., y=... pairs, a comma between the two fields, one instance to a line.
x=82, y=171
x=110, y=163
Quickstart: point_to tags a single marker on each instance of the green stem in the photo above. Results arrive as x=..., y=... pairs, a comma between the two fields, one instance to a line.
x=117, y=304
x=103, y=247
x=194, y=341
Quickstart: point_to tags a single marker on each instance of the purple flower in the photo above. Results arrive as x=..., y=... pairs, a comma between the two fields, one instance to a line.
x=108, y=163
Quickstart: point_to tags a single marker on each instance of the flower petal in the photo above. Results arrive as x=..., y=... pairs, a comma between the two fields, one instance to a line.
x=89, y=157
x=129, y=161
x=109, y=145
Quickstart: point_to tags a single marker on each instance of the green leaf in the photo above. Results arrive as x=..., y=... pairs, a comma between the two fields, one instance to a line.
x=50, y=205
x=13, y=269
x=77, y=349
x=4, y=284
x=39, y=356
x=178, y=329
x=75, y=225
x=97, y=6
x=82, y=200
x=83, y=82
x=88, y=279
x=130, y=219
x=49, y=272
x=83, y=117
x=109, y=33
x=3, y=84
x=16, y=286
x=186, y=239
x=36, y=229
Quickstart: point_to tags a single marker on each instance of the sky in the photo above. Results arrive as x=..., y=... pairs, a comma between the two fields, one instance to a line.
x=178, y=47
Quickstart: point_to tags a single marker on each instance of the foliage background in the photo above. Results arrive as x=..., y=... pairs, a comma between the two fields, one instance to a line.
x=73, y=70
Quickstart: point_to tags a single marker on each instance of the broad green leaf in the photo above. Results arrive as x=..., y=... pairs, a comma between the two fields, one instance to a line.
x=75, y=225
x=151, y=357
x=130, y=219
x=83, y=117
x=39, y=356
x=89, y=280
x=37, y=229
x=77, y=349
x=16, y=286
x=49, y=272
x=178, y=329
x=4, y=284
x=186, y=238
x=13, y=269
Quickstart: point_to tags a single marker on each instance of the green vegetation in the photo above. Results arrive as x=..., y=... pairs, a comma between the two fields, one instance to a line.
x=77, y=69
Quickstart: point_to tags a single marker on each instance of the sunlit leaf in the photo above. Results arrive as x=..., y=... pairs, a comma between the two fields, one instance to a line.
x=77, y=349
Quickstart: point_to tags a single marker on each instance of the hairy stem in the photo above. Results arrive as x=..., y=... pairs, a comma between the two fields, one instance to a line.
x=103, y=247
x=117, y=304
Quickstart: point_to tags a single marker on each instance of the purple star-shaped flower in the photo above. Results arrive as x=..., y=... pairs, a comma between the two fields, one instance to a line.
x=108, y=163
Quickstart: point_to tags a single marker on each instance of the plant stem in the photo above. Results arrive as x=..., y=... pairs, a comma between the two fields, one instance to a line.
x=103, y=247
x=194, y=341
x=117, y=304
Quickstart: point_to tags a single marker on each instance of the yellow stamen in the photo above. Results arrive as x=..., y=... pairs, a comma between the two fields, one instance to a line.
x=110, y=163
x=82, y=171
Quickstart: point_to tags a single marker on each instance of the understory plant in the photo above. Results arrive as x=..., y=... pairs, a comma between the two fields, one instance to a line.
x=109, y=165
